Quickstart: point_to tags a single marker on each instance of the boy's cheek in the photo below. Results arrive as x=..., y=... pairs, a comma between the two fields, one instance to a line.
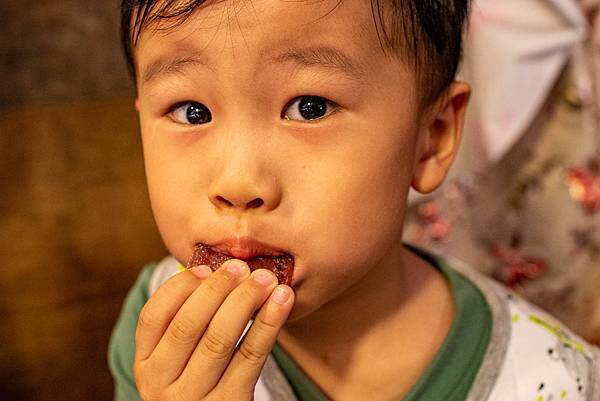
x=174, y=227
x=176, y=198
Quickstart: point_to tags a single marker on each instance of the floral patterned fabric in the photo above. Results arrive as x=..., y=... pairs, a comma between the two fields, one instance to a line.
x=522, y=203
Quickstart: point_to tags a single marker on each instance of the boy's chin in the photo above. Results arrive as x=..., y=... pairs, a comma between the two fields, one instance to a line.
x=302, y=308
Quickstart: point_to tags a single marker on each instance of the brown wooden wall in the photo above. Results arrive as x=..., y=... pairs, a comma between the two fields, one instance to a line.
x=75, y=229
x=75, y=223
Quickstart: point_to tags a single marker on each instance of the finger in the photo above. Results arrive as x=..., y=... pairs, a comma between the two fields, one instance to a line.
x=189, y=323
x=216, y=346
x=247, y=363
x=160, y=309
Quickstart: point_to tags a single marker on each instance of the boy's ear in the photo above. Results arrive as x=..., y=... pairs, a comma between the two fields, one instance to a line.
x=136, y=104
x=440, y=137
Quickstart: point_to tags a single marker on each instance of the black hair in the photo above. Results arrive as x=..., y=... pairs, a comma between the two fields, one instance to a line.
x=427, y=33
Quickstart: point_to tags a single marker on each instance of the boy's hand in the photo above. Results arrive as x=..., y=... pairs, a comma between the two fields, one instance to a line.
x=187, y=333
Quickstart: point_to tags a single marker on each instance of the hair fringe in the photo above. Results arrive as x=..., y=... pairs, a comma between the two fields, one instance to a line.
x=425, y=33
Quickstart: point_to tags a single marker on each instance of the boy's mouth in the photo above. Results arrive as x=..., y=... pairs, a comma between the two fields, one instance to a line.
x=258, y=256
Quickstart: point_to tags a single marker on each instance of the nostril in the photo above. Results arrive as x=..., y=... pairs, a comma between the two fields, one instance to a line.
x=223, y=200
x=253, y=204
x=256, y=203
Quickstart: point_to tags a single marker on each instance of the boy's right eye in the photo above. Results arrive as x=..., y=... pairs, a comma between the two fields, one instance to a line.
x=190, y=113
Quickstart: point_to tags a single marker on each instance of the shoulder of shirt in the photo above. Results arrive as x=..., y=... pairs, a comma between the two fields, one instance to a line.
x=532, y=355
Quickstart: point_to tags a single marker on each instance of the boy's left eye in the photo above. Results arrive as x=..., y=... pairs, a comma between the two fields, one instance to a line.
x=306, y=108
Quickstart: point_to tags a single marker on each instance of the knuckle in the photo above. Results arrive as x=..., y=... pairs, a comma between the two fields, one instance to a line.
x=265, y=326
x=218, y=286
x=217, y=346
x=147, y=318
x=252, y=353
x=181, y=331
x=149, y=368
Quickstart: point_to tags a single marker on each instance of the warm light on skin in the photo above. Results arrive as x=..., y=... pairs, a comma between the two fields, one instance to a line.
x=334, y=189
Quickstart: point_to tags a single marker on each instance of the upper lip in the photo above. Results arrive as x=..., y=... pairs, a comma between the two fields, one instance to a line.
x=245, y=248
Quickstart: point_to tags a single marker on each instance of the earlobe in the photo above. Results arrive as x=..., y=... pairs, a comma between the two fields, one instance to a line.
x=441, y=138
x=428, y=176
x=136, y=104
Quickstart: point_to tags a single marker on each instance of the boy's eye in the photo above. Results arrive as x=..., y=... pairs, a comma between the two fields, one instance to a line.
x=305, y=108
x=191, y=113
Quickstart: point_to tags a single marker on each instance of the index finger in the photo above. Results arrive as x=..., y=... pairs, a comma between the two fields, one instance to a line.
x=159, y=310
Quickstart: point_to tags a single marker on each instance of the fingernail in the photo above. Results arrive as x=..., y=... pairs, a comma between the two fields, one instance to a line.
x=236, y=267
x=280, y=295
x=201, y=271
x=263, y=277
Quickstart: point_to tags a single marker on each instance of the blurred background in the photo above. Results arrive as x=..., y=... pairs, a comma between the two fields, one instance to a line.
x=521, y=205
x=75, y=223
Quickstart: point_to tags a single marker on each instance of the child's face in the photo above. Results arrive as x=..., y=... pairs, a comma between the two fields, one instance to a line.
x=333, y=190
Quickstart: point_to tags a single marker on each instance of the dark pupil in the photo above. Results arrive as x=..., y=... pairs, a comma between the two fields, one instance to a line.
x=197, y=114
x=312, y=107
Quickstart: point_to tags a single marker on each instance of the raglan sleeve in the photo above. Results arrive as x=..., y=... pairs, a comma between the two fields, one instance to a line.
x=121, y=349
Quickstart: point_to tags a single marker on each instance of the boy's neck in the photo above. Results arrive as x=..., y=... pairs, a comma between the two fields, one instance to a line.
x=378, y=336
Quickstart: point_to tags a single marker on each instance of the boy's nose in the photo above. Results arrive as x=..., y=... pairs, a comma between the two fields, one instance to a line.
x=244, y=185
x=232, y=194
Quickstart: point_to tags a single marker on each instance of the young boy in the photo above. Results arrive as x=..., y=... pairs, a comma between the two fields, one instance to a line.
x=276, y=130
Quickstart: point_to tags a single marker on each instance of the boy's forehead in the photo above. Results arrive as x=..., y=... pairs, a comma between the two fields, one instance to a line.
x=325, y=34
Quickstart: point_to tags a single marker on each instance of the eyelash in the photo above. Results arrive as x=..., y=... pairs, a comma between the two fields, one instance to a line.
x=330, y=104
x=334, y=106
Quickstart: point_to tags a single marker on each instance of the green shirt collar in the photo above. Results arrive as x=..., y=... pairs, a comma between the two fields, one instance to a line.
x=450, y=375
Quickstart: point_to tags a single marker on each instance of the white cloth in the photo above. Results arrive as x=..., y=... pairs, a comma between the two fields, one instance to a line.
x=515, y=51
x=544, y=360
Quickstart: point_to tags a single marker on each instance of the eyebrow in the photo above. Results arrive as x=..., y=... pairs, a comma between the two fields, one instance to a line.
x=325, y=57
x=320, y=56
x=173, y=65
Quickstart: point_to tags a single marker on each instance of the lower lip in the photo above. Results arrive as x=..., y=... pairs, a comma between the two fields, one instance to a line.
x=281, y=265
